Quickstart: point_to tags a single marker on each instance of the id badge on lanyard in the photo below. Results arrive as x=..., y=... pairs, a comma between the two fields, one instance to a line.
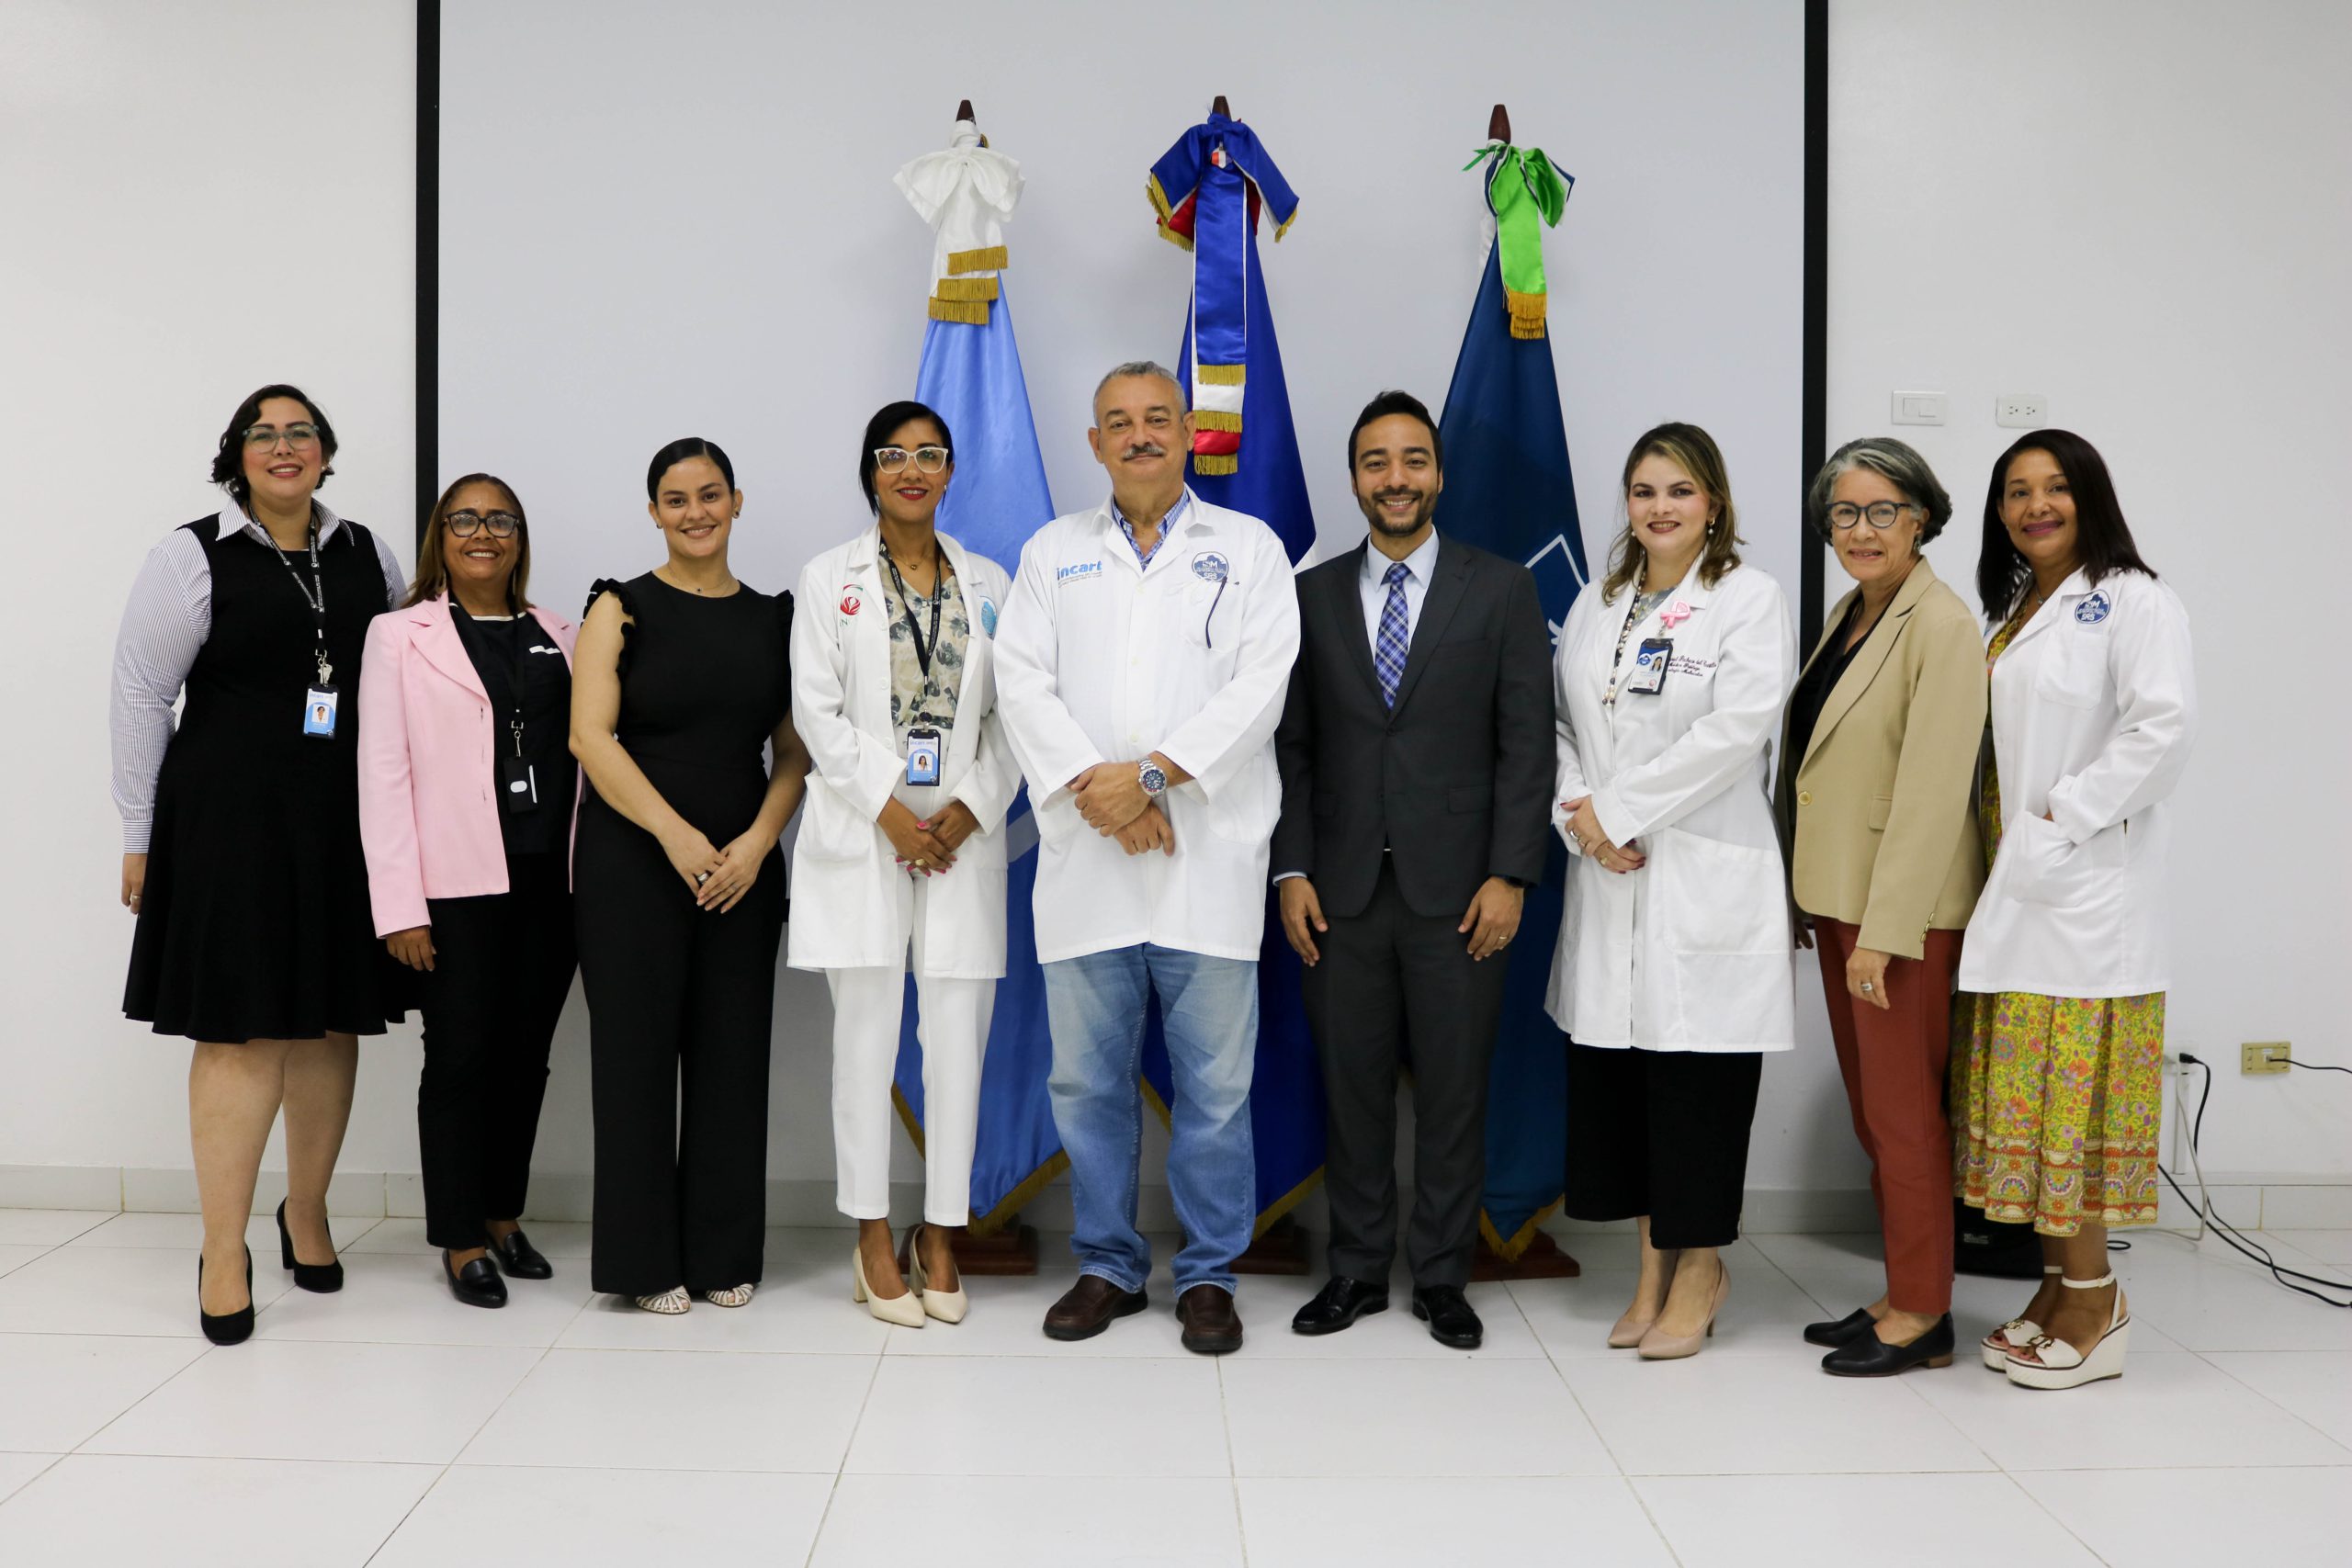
x=1649, y=674
x=322, y=701
x=922, y=757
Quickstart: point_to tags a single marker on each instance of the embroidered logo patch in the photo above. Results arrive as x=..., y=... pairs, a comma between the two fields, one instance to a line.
x=851, y=602
x=1078, y=572
x=2093, y=610
x=987, y=615
x=1209, y=566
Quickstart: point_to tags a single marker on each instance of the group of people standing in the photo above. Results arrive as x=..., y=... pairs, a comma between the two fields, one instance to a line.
x=491, y=797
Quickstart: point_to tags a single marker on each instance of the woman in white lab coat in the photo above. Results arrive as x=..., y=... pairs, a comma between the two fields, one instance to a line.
x=1672, y=975
x=2057, y=1070
x=901, y=857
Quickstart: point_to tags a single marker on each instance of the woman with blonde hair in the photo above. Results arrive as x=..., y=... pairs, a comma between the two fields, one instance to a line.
x=1672, y=975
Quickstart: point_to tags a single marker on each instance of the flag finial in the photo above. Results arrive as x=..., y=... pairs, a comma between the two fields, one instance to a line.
x=964, y=111
x=1217, y=105
x=1498, y=125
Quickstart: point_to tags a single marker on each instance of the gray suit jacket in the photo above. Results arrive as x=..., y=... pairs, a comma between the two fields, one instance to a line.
x=1455, y=781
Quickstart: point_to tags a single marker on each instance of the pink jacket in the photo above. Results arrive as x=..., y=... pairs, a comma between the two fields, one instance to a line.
x=428, y=817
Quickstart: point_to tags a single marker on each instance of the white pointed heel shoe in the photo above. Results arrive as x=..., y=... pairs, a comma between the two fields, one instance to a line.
x=2053, y=1363
x=2014, y=1334
x=905, y=1311
x=948, y=1306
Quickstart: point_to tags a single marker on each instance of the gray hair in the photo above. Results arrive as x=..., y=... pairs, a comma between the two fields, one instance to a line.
x=1143, y=368
x=1893, y=461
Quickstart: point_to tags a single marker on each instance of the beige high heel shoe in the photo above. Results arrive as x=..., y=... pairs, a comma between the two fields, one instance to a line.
x=1656, y=1346
x=1630, y=1328
x=2012, y=1335
x=948, y=1306
x=905, y=1311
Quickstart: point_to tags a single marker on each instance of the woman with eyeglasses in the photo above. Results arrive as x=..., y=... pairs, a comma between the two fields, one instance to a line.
x=466, y=798
x=683, y=679
x=241, y=831
x=1878, y=753
x=894, y=690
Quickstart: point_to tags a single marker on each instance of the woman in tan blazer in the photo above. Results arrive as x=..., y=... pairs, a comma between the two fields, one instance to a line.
x=1878, y=760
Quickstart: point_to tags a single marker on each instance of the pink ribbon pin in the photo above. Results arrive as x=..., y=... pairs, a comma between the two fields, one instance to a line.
x=1674, y=614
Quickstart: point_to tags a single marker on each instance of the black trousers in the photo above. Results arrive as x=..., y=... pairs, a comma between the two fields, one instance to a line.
x=1393, y=988
x=1662, y=1134
x=501, y=968
x=678, y=1007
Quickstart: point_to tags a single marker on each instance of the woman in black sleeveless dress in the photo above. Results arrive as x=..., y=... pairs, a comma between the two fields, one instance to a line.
x=241, y=831
x=678, y=680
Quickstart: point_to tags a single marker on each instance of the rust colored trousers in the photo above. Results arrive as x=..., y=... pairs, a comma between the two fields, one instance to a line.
x=1892, y=1060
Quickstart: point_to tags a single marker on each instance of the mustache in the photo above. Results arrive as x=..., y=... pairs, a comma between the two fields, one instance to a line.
x=1144, y=450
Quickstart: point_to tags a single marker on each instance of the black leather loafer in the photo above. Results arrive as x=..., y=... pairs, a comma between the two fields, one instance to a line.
x=1338, y=1305
x=518, y=1259
x=1855, y=1324
x=1452, y=1322
x=1871, y=1356
x=477, y=1284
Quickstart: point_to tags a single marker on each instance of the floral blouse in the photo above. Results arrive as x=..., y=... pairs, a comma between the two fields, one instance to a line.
x=918, y=700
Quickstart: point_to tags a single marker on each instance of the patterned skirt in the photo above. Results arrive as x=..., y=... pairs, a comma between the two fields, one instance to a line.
x=2056, y=1108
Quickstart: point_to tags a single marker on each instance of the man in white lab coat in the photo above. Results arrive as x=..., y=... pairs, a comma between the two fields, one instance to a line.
x=1141, y=670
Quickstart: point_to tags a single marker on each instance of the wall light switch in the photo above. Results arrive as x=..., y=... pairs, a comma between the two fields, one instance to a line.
x=2020, y=411
x=1918, y=408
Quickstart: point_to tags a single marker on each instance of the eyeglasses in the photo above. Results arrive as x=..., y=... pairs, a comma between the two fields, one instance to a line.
x=464, y=525
x=893, y=460
x=261, y=437
x=1882, y=513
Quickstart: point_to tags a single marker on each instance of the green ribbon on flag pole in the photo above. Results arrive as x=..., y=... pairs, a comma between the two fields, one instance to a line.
x=1521, y=189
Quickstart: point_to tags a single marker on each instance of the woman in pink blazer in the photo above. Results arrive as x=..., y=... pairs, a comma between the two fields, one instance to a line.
x=468, y=796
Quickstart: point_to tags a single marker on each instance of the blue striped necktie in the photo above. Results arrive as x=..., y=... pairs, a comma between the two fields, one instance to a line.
x=1389, y=659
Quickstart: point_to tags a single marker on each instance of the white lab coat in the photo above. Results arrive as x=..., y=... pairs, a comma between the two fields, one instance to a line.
x=846, y=886
x=1102, y=661
x=1691, y=953
x=2094, y=704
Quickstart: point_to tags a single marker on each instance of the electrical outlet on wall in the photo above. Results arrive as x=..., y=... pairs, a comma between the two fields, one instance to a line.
x=2020, y=411
x=2263, y=1056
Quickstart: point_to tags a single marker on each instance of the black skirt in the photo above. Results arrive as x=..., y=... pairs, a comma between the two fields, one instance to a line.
x=255, y=923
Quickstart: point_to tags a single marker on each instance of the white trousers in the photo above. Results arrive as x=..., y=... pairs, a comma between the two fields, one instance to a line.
x=952, y=1026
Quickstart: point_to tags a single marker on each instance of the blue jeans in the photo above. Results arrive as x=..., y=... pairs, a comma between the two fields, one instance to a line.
x=1209, y=1006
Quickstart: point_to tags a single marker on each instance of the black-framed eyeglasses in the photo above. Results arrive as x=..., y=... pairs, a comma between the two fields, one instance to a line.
x=465, y=525
x=263, y=437
x=1883, y=514
x=893, y=460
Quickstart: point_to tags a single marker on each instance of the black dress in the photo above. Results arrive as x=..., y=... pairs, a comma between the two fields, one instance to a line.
x=254, y=922
x=680, y=999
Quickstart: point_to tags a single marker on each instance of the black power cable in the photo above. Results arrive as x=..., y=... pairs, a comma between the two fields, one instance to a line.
x=2229, y=1233
x=2314, y=1066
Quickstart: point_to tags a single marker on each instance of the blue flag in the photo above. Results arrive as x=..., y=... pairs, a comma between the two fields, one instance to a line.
x=1208, y=192
x=971, y=373
x=1507, y=489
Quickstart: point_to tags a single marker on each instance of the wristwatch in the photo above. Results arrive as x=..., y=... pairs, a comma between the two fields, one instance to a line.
x=1153, y=777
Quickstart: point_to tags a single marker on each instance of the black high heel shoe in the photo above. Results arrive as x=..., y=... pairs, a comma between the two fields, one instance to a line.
x=230, y=1327
x=324, y=1278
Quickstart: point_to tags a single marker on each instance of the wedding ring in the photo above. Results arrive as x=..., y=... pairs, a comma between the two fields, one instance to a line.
x=1867, y=987
x=923, y=860
x=701, y=877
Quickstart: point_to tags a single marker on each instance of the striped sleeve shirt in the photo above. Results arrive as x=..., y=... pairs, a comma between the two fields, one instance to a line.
x=164, y=626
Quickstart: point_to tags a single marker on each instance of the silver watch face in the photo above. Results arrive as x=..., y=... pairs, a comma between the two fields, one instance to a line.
x=1154, y=778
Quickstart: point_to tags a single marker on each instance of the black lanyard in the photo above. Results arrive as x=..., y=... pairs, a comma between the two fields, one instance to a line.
x=314, y=592
x=520, y=635
x=906, y=602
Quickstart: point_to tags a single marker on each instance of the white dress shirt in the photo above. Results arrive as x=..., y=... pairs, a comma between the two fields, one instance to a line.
x=164, y=626
x=1100, y=660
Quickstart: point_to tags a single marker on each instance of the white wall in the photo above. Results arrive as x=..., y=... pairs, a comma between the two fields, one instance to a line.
x=2139, y=209
x=199, y=199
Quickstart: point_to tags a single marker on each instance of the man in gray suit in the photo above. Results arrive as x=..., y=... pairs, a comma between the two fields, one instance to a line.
x=1415, y=754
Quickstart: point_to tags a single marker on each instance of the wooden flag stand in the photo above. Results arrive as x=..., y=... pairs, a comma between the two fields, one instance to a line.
x=1543, y=1259
x=1012, y=1250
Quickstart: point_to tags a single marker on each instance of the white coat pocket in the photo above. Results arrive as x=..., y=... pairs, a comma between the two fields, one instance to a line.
x=2049, y=868
x=2073, y=671
x=1721, y=897
x=831, y=828
x=1212, y=615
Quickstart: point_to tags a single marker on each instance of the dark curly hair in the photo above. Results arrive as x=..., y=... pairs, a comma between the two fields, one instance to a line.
x=229, y=457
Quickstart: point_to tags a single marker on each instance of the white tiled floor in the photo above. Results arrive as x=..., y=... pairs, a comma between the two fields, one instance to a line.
x=389, y=1426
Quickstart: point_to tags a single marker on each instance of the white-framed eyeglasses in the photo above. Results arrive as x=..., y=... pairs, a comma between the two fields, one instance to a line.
x=263, y=437
x=893, y=460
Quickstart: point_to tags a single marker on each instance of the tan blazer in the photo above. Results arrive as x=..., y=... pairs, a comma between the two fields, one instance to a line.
x=1878, y=818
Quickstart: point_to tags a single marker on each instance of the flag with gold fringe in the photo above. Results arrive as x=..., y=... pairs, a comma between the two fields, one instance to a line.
x=1508, y=490
x=1207, y=193
x=971, y=373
